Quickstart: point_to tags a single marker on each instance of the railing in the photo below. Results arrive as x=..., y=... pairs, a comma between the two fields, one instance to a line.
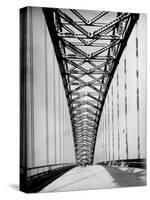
x=33, y=179
x=138, y=163
x=33, y=172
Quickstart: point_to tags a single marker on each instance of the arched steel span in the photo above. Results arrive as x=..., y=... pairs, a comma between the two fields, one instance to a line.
x=88, y=52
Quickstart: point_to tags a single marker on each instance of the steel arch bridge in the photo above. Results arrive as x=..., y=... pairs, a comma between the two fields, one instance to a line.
x=88, y=50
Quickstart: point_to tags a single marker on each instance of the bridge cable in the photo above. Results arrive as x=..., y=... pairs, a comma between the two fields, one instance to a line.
x=32, y=87
x=54, y=108
x=125, y=90
x=59, y=117
x=112, y=121
x=137, y=91
x=105, y=133
x=46, y=95
x=108, y=129
x=118, y=114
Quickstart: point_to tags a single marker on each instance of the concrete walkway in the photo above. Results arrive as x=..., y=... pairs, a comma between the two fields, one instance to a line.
x=97, y=177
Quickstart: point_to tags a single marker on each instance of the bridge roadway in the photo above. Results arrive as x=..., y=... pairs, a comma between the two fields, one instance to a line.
x=97, y=177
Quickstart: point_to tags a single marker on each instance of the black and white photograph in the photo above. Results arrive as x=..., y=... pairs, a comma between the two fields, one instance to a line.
x=83, y=99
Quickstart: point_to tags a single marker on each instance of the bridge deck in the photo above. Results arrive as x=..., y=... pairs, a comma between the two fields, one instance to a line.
x=97, y=177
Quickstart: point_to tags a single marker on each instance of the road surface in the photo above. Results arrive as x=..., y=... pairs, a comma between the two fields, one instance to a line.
x=97, y=177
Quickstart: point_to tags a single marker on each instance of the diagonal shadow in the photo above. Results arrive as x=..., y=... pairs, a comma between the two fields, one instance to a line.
x=126, y=178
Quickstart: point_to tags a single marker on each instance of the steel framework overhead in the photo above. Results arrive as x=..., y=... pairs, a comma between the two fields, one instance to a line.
x=88, y=48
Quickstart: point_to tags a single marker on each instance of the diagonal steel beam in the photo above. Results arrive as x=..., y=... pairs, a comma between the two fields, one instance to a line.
x=86, y=97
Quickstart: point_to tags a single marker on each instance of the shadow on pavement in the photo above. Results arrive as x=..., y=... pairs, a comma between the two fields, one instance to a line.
x=127, y=178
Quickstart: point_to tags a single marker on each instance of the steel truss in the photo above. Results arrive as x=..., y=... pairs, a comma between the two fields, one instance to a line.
x=88, y=52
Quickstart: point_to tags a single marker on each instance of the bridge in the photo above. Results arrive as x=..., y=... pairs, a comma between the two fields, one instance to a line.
x=83, y=99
